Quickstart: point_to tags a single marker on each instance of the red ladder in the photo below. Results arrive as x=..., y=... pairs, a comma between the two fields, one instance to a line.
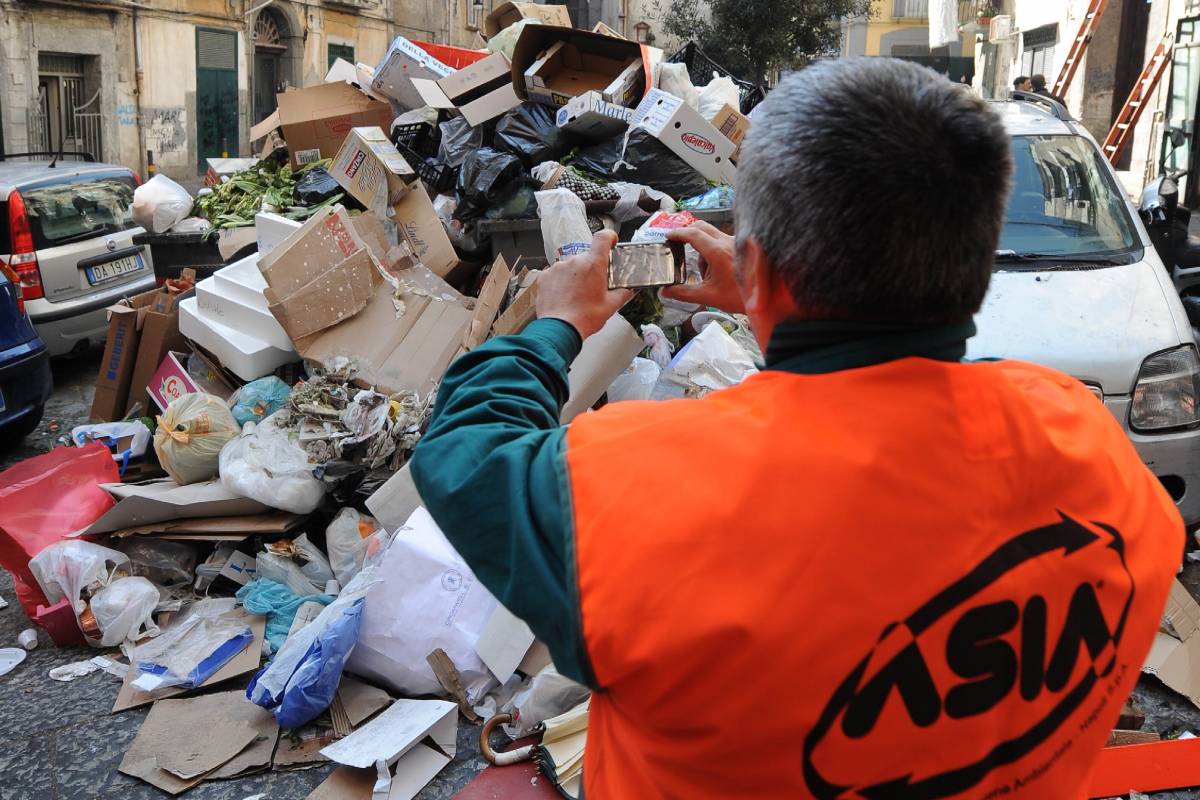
x=1122, y=129
x=1086, y=29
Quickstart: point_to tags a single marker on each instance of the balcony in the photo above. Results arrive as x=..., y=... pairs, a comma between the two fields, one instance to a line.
x=910, y=9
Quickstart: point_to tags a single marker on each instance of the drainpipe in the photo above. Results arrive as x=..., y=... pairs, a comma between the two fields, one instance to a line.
x=143, y=157
x=625, y=18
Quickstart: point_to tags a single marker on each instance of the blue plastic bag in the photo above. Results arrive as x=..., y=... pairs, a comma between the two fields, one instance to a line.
x=314, y=682
x=279, y=603
x=716, y=197
x=260, y=399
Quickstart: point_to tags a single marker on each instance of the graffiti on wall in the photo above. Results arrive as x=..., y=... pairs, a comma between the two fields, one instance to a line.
x=165, y=129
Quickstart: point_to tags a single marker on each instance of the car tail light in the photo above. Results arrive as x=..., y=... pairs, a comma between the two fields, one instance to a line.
x=137, y=179
x=24, y=256
x=15, y=280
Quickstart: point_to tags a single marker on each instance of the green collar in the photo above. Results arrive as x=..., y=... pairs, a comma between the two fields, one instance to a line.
x=814, y=347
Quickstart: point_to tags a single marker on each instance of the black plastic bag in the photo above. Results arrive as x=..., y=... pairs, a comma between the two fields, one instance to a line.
x=315, y=186
x=647, y=161
x=486, y=175
x=530, y=133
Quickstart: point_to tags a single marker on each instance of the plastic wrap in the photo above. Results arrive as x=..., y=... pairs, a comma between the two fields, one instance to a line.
x=636, y=382
x=159, y=203
x=266, y=465
x=160, y=561
x=124, y=611
x=72, y=568
x=259, y=399
x=565, y=230
x=529, y=132
x=279, y=604
x=350, y=539
x=200, y=642
x=190, y=435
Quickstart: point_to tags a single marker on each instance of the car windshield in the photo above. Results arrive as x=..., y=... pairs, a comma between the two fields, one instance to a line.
x=1064, y=202
x=72, y=210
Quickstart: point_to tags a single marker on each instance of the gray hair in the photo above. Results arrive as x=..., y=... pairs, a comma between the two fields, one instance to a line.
x=877, y=190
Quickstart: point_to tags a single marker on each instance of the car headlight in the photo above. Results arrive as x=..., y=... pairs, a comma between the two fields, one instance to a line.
x=1167, y=394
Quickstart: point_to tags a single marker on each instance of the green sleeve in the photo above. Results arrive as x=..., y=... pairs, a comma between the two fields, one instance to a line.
x=491, y=470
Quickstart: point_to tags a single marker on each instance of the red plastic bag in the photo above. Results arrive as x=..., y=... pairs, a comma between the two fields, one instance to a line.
x=44, y=498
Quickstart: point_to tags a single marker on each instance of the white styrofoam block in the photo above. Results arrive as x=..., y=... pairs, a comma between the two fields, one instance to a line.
x=219, y=305
x=242, y=280
x=242, y=354
x=272, y=229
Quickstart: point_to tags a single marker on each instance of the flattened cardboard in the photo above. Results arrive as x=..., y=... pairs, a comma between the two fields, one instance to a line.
x=394, y=502
x=371, y=170
x=361, y=700
x=345, y=783
x=421, y=227
x=603, y=29
x=520, y=313
x=1174, y=661
x=688, y=135
x=335, y=295
x=488, y=304
x=551, y=65
x=157, y=501
x=325, y=240
x=116, y=366
x=244, y=662
x=507, y=14
x=242, y=526
x=403, y=62
x=503, y=643
x=270, y=123
x=316, y=120
x=303, y=749
x=481, y=91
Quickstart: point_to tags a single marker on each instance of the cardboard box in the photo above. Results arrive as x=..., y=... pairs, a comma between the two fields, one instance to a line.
x=481, y=91
x=592, y=117
x=733, y=125
x=171, y=381
x=336, y=294
x=521, y=312
x=160, y=334
x=315, y=121
x=116, y=367
x=552, y=65
x=506, y=14
x=164, y=500
x=422, y=228
x=688, y=135
x=603, y=29
x=488, y=304
x=371, y=170
x=403, y=62
x=326, y=239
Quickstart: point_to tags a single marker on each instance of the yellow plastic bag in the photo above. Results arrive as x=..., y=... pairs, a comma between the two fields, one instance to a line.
x=190, y=435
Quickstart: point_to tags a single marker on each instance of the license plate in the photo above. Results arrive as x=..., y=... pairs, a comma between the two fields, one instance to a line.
x=114, y=269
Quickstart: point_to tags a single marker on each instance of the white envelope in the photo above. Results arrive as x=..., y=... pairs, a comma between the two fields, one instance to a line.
x=418, y=736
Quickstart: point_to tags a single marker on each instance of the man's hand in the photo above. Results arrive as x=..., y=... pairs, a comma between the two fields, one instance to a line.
x=576, y=291
x=719, y=288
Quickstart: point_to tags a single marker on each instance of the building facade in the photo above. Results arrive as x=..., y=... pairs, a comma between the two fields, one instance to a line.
x=900, y=29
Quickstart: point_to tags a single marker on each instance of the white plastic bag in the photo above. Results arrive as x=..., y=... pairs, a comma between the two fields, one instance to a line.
x=159, y=203
x=316, y=566
x=427, y=598
x=125, y=611
x=115, y=431
x=282, y=569
x=350, y=538
x=202, y=639
x=713, y=360
x=659, y=344
x=720, y=92
x=674, y=79
x=636, y=382
x=548, y=695
x=190, y=435
x=67, y=569
x=265, y=465
x=565, y=229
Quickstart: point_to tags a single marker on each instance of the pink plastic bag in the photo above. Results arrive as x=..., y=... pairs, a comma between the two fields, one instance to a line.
x=44, y=498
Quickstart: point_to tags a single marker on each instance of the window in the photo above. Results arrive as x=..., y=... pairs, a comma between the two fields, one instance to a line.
x=475, y=14
x=642, y=30
x=337, y=51
x=78, y=208
x=1064, y=201
x=1037, y=55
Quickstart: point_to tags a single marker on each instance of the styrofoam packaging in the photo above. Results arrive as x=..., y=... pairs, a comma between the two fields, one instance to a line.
x=242, y=280
x=242, y=354
x=272, y=229
x=217, y=305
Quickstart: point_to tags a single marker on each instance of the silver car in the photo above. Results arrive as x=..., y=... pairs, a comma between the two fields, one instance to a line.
x=1078, y=287
x=67, y=230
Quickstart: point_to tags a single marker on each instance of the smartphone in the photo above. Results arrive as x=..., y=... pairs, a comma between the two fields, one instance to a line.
x=643, y=266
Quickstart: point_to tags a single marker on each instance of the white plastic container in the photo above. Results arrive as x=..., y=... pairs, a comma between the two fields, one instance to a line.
x=244, y=355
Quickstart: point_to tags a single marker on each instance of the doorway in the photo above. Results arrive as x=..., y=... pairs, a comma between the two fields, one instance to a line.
x=270, y=37
x=216, y=94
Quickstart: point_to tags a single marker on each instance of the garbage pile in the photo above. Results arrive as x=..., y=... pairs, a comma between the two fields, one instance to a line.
x=239, y=507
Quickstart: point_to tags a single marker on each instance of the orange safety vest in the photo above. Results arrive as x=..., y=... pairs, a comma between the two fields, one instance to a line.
x=919, y=579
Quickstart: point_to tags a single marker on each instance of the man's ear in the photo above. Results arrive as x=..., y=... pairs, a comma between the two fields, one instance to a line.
x=764, y=291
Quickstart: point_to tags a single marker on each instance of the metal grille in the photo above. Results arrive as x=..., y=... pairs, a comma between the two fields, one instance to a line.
x=37, y=119
x=85, y=126
x=911, y=9
x=60, y=64
x=216, y=50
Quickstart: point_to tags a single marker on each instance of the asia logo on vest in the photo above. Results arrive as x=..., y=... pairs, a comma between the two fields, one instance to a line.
x=985, y=674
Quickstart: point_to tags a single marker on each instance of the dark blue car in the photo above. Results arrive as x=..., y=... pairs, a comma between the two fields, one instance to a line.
x=25, y=382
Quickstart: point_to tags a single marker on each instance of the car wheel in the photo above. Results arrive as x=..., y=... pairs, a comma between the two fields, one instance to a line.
x=11, y=435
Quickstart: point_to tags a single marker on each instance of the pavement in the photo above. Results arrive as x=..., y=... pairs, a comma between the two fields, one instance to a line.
x=58, y=740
